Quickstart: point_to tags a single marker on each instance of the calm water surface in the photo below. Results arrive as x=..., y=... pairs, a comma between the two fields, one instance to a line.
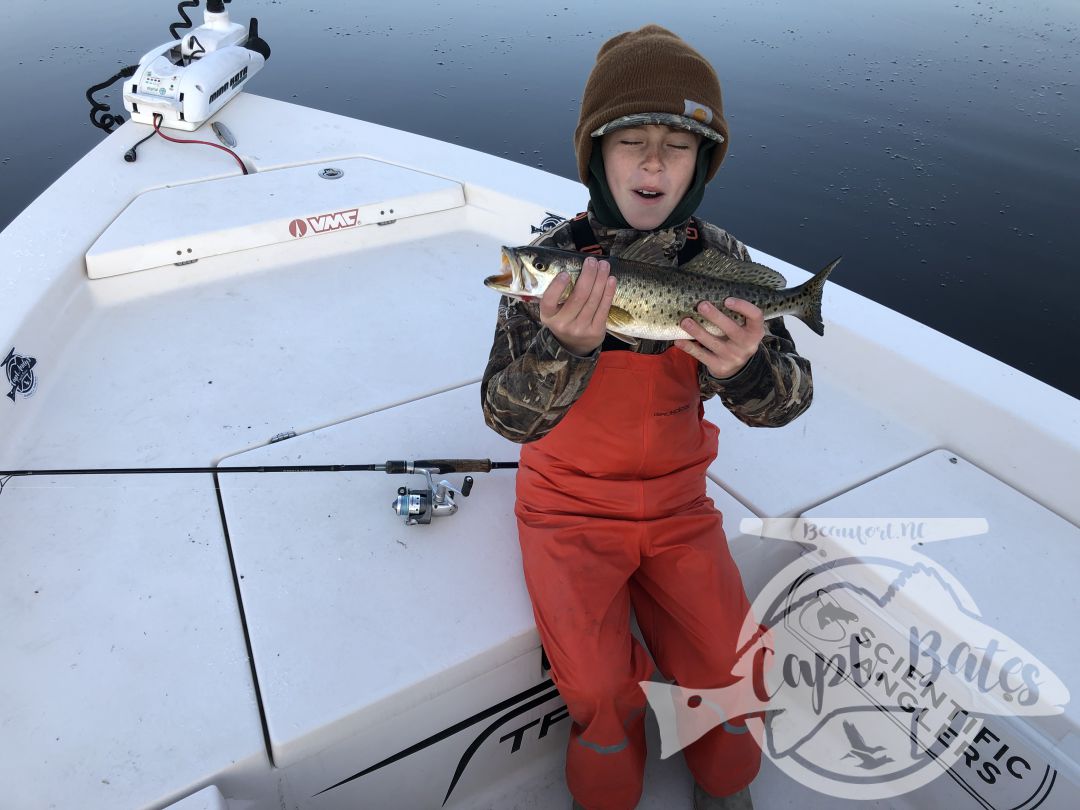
x=935, y=144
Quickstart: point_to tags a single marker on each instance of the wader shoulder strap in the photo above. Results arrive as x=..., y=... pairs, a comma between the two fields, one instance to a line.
x=693, y=244
x=585, y=240
x=584, y=236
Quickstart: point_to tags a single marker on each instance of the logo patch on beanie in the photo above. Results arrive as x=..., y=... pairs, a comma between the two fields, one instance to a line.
x=699, y=112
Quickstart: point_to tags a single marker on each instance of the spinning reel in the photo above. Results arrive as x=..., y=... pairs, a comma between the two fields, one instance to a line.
x=419, y=506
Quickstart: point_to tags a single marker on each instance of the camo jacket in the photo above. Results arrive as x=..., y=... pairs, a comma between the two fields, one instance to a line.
x=531, y=380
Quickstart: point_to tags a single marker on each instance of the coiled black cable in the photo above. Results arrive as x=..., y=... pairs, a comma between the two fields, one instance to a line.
x=174, y=29
x=107, y=121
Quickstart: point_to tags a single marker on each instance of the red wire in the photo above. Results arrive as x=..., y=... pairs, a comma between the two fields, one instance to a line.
x=157, y=128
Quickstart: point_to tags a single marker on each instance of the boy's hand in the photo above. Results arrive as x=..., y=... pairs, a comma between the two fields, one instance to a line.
x=580, y=322
x=724, y=355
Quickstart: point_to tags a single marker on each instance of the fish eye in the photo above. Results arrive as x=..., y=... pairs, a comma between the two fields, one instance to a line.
x=538, y=265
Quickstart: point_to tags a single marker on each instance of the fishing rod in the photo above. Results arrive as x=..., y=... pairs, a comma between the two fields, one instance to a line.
x=440, y=466
x=417, y=506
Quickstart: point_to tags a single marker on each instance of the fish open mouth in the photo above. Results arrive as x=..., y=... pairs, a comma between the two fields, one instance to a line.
x=507, y=280
x=515, y=279
x=503, y=281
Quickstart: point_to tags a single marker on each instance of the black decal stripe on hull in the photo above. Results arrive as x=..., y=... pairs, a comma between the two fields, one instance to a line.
x=958, y=779
x=1045, y=796
x=442, y=735
x=1050, y=773
x=554, y=693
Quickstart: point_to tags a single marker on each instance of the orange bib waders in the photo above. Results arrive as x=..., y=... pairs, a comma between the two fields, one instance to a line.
x=612, y=513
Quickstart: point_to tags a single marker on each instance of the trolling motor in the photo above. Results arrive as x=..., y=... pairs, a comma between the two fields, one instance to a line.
x=186, y=81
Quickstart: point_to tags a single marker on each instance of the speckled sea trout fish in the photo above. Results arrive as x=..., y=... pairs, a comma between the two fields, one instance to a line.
x=651, y=298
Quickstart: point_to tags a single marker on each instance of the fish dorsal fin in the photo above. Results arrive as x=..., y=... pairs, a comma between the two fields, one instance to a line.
x=712, y=262
x=646, y=250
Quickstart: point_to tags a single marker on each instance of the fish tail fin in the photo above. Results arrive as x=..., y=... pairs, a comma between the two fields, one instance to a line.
x=808, y=297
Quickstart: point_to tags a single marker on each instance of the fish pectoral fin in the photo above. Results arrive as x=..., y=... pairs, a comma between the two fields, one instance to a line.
x=618, y=318
x=618, y=321
x=712, y=262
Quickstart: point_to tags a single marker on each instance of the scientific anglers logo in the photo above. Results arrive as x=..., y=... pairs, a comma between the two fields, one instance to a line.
x=20, y=374
x=324, y=223
x=549, y=222
x=865, y=671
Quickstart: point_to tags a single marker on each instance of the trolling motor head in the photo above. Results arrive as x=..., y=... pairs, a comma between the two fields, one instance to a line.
x=188, y=80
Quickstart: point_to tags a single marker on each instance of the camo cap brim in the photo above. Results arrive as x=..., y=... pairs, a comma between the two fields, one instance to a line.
x=663, y=119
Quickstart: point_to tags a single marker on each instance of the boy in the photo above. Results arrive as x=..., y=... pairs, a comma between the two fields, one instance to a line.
x=611, y=503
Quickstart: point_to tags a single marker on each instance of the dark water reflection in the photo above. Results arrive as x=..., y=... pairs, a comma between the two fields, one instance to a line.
x=935, y=144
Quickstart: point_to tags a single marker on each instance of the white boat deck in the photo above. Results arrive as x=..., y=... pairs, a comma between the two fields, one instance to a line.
x=126, y=679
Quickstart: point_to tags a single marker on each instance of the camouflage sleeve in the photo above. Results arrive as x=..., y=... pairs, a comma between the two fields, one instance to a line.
x=531, y=380
x=774, y=386
x=722, y=240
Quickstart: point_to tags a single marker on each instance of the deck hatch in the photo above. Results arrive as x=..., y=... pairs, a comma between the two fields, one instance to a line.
x=167, y=226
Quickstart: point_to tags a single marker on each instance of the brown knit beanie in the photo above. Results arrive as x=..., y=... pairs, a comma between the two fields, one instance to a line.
x=650, y=76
